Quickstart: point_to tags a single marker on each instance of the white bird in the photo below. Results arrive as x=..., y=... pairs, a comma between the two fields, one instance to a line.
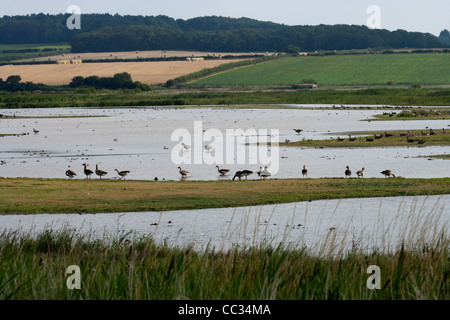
x=265, y=173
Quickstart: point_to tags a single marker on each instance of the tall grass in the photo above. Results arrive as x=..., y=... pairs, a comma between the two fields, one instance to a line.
x=133, y=267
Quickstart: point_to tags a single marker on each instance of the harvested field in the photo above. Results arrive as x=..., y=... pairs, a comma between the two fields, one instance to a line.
x=145, y=72
x=132, y=55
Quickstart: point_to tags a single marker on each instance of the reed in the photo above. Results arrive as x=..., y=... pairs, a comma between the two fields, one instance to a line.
x=128, y=266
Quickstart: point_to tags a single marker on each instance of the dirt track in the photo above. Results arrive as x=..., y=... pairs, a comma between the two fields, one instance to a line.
x=145, y=72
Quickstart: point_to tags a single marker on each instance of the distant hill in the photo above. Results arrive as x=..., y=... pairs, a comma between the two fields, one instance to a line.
x=105, y=32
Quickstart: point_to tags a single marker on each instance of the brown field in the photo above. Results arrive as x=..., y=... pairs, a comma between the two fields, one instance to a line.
x=145, y=72
x=132, y=55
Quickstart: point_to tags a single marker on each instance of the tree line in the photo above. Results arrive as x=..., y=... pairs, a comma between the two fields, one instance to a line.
x=119, y=81
x=105, y=32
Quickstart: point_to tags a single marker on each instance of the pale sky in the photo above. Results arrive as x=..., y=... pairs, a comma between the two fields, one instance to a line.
x=412, y=15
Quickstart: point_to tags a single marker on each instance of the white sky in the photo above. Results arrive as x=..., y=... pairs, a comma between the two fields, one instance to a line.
x=412, y=15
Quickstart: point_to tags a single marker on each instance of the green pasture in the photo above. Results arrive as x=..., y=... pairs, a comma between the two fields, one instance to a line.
x=424, y=69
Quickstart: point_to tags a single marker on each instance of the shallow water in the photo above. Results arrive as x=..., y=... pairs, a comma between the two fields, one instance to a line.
x=381, y=223
x=139, y=140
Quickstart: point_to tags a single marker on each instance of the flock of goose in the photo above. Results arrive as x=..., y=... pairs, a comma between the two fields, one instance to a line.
x=265, y=173
x=88, y=172
x=262, y=173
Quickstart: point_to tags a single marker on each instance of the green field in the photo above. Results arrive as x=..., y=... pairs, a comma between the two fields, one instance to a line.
x=426, y=69
x=10, y=52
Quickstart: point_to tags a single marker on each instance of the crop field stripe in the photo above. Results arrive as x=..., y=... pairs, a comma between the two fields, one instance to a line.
x=341, y=70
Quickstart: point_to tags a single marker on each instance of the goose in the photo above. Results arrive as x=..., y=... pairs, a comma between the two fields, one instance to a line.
x=35, y=131
x=339, y=139
x=388, y=134
x=238, y=174
x=368, y=139
x=70, y=174
x=379, y=136
x=87, y=172
x=432, y=132
x=99, y=172
x=410, y=140
x=350, y=138
x=405, y=134
x=420, y=141
x=183, y=173
x=298, y=130
x=387, y=173
x=185, y=146
x=246, y=173
x=348, y=172
x=222, y=171
x=122, y=174
x=360, y=173
x=265, y=173
x=304, y=171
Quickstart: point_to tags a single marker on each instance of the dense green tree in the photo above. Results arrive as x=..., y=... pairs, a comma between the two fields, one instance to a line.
x=106, y=32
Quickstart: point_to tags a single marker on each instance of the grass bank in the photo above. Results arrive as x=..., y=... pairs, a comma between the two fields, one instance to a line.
x=35, y=196
x=138, y=269
x=413, y=114
x=226, y=96
x=370, y=139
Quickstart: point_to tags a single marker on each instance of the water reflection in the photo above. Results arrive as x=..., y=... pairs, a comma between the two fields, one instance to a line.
x=328, y=226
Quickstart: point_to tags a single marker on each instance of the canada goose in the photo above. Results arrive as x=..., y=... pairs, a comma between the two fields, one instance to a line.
x=388, y=134
x=410, y=140
x=350, y=138
x=420, y=141
x=35, y=131
x=360, y=173
x=87, y=172
x=246, y=173
x=298, y=130
x=348, y=172
x=183, y=173
x=99, y=172
x=432, y=132
x=369, y=139
x=339, y=139
x=304, y=171
x=238, y=174
x=222, y=171
x=70, y=174
x=424, y=133
x=405, y=134
x=122, y=174
x=287, y=141
x=379, y=136
x=387, y=173
x=185, y=146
